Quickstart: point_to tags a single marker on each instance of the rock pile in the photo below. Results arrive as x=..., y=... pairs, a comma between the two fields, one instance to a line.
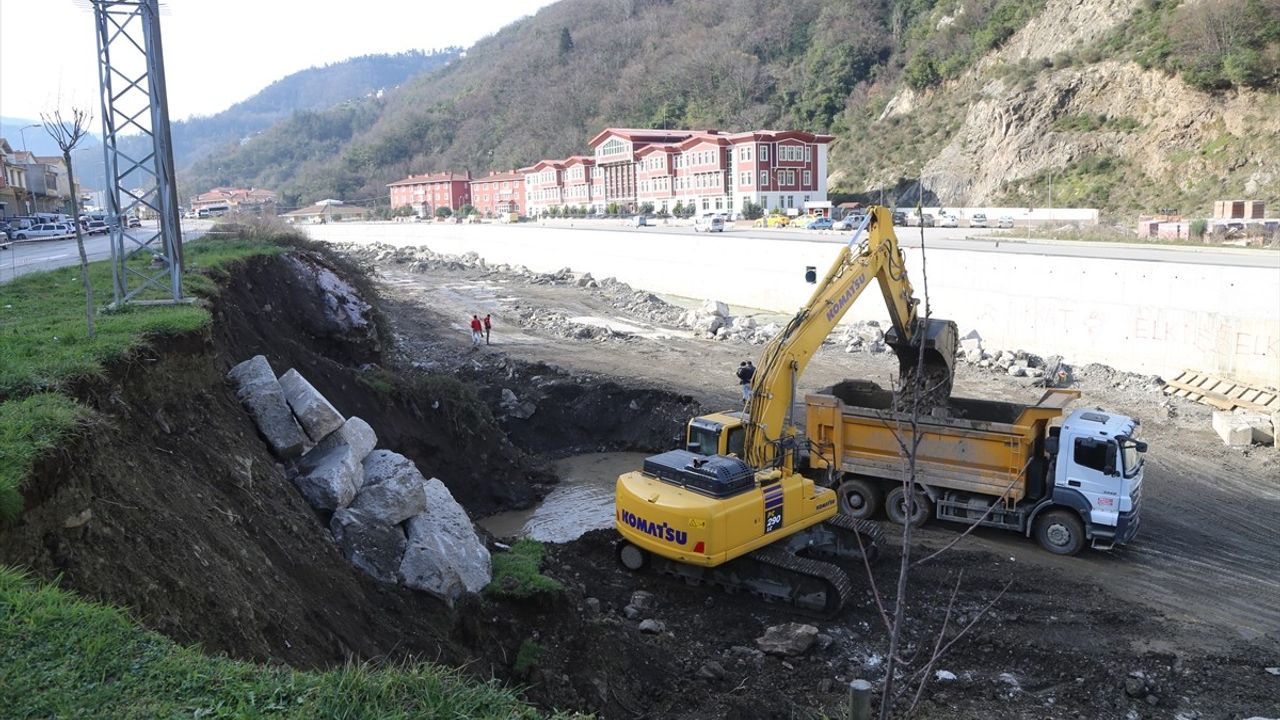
x=387, y=519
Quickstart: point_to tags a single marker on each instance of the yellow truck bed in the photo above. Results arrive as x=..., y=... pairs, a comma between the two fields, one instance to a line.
x=979, y=446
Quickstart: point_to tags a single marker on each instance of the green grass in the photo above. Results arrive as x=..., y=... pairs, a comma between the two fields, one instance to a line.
x=517, y=573
x=43, y=339
x=63, y=657
x=29, y=427
x=44, y=346
x=527, y=657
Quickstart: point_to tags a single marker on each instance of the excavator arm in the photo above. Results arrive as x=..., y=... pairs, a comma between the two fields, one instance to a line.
x=769, y=426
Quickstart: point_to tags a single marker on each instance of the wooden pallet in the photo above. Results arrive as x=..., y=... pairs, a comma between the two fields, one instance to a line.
x=1222, y=394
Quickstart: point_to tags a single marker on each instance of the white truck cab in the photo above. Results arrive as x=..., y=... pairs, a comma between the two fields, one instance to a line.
x=1097, y=474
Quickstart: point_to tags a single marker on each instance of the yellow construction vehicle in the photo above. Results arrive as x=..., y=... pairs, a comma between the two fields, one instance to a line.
x=730, y=508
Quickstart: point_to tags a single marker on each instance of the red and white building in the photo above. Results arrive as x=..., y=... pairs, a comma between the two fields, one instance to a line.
x=543, y=186
x=709, y=170
x=427, y=193
x=245, y=200
x=498, y=193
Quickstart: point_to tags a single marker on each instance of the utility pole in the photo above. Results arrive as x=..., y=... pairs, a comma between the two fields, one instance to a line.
x=135, y=101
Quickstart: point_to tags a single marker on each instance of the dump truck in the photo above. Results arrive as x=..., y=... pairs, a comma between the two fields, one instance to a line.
x=1069, y=478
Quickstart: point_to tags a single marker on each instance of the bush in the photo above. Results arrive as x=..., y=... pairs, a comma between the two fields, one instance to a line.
x=444, y=212
x=752, y=211
x=1198, y=228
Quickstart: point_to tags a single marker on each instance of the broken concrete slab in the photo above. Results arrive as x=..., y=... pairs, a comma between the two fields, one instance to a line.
x=444, y=557
x=262, y=395
x=715, y=307
x=392, y=490
x=314, y=412
x=375, y=547
x=328, y=480
x=789, y=640
x=1234, y=430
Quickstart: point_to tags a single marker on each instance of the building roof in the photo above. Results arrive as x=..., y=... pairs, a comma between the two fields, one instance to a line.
x=557, y=164
x=326, y=207
x=235, y=195
x=775, y=135
x=646, y=135
x=499, y=177
x=578, y=160
x=429, y=178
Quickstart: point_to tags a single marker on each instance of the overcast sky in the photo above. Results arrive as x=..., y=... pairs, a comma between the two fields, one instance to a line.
x=218, y=52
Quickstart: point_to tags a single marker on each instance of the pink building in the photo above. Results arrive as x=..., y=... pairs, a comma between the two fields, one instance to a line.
x=426, y=193
x=498, y=193
x=707, y=170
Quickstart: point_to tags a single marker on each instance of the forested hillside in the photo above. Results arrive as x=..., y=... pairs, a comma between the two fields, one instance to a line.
x=311, y=89
x=984, y=99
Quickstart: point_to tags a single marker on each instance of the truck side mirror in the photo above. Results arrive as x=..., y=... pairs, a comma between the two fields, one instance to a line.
x=1110, y=467
x=1051, y=445
x=811, y=274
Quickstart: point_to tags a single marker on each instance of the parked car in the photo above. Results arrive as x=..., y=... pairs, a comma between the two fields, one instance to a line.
x=97, y=227
x=822, y=223
x=978, y=220
x=900, y=218
x=773, y=221
x=133, y=221
x=949, y=221
x=45, y=231
x=709, y=223
x=638, y=221
x=1005, y=221
x=926, y=220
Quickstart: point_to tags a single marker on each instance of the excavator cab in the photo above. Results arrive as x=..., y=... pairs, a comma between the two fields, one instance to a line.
x=940, y=339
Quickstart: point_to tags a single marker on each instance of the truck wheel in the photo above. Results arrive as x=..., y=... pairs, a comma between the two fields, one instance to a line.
x=1061, y=532
x=859, y=498
x=895, y=506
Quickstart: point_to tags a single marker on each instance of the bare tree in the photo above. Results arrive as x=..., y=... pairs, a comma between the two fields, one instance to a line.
x=68, y=134
x=921, y=386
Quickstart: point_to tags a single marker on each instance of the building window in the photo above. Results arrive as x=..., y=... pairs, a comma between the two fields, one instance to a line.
x=808, y=153
x=706, y=204
x=808, y=177
x=764, y=152
x=764, y=178
x=791, y=201
x=719, y=204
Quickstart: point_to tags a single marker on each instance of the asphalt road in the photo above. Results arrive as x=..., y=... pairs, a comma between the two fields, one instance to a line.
x=979, y=240
x=31, y=256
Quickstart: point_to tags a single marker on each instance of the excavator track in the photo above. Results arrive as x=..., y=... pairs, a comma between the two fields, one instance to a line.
x=851, y=530
x=808, y=586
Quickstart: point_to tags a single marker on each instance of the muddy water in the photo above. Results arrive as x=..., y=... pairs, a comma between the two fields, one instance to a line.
x=583, y=500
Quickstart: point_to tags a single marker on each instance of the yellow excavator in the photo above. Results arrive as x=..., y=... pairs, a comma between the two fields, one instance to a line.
x=731, y=508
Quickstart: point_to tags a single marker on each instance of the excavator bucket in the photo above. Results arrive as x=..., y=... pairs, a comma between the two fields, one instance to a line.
x=940, y=338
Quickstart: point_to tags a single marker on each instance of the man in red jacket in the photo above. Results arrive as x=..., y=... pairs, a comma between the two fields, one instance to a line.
x=477, y=331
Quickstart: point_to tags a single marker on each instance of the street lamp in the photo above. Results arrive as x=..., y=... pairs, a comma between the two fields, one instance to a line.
x=31, y=193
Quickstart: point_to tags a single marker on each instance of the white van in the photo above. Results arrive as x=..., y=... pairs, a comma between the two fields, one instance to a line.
x=709, y=222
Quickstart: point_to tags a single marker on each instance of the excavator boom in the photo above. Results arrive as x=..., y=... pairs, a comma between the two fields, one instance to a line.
x=877, y=258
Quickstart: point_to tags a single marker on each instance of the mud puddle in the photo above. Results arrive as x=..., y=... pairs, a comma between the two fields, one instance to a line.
x=582, y=502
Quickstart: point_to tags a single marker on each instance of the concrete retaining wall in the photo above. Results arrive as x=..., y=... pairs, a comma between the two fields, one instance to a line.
x=1139, y=316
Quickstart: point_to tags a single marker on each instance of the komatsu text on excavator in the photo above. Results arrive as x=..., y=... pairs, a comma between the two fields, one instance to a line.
x=731, y=509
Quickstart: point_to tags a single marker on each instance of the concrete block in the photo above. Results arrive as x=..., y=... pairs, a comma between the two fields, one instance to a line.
x=373, y=546
x=445, y=556
x=393, y=488
x=329, y=480
x=1234, y=430
x=354, y=433
x=1264, y=431
x=316, y=415
x=261, y=394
